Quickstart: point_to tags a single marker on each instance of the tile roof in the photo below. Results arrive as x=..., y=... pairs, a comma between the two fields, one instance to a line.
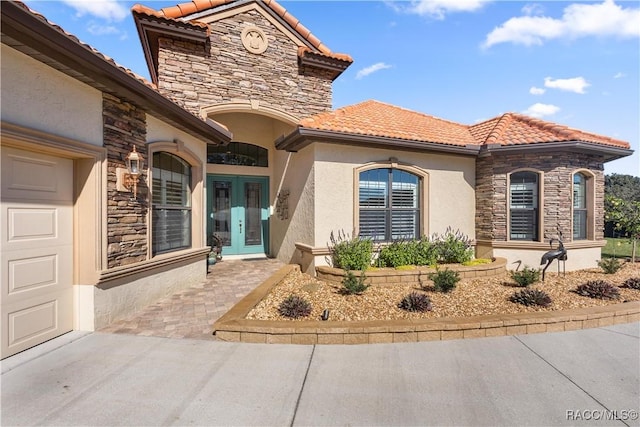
x=376, y=118
x=183, y=10
x=518, y=129
x=379, y=119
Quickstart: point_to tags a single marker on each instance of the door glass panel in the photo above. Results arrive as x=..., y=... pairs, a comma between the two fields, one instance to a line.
x=222, y=211
x=252, y=213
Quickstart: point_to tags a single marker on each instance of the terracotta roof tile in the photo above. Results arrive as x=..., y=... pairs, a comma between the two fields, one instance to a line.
x=144, y=10
x=183, y=10
x=303, y=50
x=384, y=120
x=518, y=129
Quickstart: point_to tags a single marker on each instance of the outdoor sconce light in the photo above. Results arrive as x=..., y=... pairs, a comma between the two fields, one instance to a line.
x=127, y=179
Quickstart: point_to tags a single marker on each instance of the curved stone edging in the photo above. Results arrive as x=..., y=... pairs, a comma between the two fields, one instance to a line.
x=233, y=326
x=389, y=276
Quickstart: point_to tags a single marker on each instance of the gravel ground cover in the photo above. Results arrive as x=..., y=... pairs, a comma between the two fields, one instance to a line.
x=471, y=297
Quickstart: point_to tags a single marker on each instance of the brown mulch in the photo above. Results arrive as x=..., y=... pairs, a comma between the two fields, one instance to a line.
x=471, y=297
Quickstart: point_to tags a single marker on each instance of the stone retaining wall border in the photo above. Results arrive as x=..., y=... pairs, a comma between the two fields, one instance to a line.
x=233, y=326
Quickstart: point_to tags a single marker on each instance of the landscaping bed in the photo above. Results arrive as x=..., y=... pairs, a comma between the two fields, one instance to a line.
x=471, y=297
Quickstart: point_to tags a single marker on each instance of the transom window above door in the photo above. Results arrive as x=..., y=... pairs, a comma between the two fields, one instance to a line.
x=238, y=154
x=389, y=204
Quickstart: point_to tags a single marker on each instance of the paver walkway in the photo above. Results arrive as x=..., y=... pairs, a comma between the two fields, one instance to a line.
x=192, y=312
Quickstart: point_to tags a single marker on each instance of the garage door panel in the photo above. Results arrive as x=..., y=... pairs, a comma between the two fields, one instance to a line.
x=35, y=320
x=27, y=175
x=35, y=224
x=36, y=253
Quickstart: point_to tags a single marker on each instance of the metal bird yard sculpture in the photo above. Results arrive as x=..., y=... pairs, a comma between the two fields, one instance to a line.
x=559, y=253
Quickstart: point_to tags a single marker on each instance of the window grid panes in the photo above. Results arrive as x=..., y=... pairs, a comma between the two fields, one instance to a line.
x=238, y=154
x=523, y=196
x=579, y=207
x=171, y=203
x=389, y=204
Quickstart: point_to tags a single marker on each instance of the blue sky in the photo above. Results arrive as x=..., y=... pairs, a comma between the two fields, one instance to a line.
x=574, y=63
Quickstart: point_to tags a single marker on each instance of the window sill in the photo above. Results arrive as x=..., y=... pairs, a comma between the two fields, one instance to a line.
x=160, y=261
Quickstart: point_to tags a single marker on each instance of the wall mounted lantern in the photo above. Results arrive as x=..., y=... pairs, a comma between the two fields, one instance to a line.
x=127, y=179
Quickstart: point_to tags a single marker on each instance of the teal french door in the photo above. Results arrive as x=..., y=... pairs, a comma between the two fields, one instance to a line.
x=238, y=213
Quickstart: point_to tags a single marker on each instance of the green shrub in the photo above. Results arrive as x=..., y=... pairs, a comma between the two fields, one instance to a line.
x=610, y=265
x=598, y=289
x=396, y=254
x=453, y=247
x=444, y=280
x=354, y=285
x=530, y=297
x=415, y=301
x=526, y=277
x=350, y=253
x=632, y=283
x=408, y=252
x=425, y=252
x=294, y=306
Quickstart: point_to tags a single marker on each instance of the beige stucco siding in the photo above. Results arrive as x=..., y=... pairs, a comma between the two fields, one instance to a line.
x=450, y=193
x=36, y=96
x=295, y=173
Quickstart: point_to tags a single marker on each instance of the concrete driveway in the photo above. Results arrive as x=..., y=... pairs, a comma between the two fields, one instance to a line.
x=587, y=377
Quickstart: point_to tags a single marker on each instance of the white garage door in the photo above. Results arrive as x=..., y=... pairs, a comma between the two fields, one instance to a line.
x=37, y=248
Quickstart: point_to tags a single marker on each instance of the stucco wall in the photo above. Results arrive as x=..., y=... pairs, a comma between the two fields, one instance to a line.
x=295, y=172
x=577, y=259
x=36, y=96
x=117, y=302
x=450, y=193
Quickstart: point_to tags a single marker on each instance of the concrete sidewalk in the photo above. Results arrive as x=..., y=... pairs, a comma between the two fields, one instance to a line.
x=568, y=378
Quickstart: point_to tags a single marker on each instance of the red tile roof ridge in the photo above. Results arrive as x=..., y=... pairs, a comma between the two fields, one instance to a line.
x=184, y=9
x=144, y=10
x=341, y=56
x=502, y=124
x=567, y=133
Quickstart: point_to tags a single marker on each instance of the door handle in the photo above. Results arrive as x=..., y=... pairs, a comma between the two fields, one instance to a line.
x=240, y=226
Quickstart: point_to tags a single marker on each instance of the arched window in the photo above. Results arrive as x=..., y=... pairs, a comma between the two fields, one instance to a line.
x=171, y=203
x=238, y=154
x=524, y=215
x=389, y=204
x=580, y=209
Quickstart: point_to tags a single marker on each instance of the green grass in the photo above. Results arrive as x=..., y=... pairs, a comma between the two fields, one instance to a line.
x=618, y=248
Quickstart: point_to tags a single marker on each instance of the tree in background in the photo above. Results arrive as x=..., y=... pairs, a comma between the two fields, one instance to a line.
x=621, y=187
x=625, y=216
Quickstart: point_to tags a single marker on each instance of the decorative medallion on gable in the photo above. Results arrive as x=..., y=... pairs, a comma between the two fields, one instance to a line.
x=254, y=40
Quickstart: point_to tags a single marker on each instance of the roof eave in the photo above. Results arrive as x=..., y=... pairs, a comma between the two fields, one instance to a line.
x=72, y=58
x=151, y=27
x=302, y=137
x=607, y=151
x=335, y=65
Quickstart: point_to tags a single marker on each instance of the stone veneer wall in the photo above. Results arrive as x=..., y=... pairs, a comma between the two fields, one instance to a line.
x=127, y=228
x=197, y=75
x=558, y=168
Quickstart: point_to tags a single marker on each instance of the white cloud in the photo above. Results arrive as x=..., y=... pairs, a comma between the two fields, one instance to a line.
x=619, y=75
x=111, y=10
x=102, y=30
x=540, y=110
x=437, y=9
x=575, y=84
x=536, y=90
x=372, y=69
x=578, y=20
x=533, y=9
